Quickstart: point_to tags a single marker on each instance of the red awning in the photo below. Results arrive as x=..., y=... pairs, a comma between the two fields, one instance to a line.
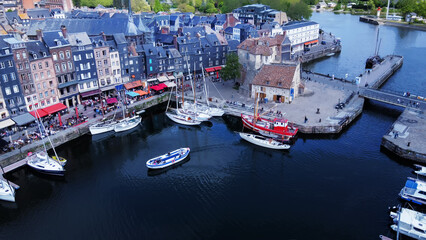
x=210, y=69
x=217, y=68
x=90, y=93
x=111, y=100
x=132, y=85
x=40, y=113
x=54, y=108
x=156, y=88
x=162, y=85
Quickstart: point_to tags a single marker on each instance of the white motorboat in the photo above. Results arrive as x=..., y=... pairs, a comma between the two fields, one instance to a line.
x=421, y=170
x=263, y=141
x=127, y=124
x=330, y=54
x=182, y=119
x=168, y=159
x=414, y=191
x=410, y=223
x=41, y=162
x=7, y=193
x=102, y=127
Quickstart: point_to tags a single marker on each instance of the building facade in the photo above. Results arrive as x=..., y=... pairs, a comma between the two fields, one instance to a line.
x=302, y=34
x=10, y=86
x=43, y=73
x=60, y=50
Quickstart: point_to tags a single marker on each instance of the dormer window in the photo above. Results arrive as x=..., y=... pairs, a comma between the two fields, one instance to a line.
x=35, y=56
x=279, y=84
x=44, y=54
x=267, y=82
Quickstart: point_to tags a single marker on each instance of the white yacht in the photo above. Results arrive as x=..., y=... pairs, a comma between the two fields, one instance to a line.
x=182, y=119
x=409, y=223
x=41, y=162
x=414, y=191
x=7, y=192
x=263, y=141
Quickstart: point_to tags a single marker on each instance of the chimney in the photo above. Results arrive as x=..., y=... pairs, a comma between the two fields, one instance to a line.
x=64, y=31
x=103, y=36
x=39, y=33
x=175, y=41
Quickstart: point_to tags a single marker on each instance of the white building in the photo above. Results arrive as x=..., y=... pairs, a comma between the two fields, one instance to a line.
x=301, y=34
x=115, y=67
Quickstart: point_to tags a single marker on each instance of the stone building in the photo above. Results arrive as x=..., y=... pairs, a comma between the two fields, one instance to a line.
x=103, y=64
x=278, y=83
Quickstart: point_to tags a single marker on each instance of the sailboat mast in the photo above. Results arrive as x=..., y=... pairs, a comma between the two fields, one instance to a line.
x=255, y=107
x=193, y=78
x=182, y=97
x=38, y=120
x=205, y=84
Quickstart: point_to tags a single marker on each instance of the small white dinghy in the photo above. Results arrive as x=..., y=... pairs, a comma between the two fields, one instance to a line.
x=41, y=162
x=7, y=193
x=168, y=159
x=263, y=141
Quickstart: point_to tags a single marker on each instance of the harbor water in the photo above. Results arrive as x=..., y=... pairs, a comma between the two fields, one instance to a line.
x=324, y=187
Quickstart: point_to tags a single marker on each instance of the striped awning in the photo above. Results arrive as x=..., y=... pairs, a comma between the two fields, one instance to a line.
x=6, y=123
x=162, y=78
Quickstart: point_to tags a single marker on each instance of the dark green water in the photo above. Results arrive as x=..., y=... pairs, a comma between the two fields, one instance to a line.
x=335, y=187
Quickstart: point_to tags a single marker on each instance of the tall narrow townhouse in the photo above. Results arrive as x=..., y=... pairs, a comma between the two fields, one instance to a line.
x=60, y=49
x=115, y=62
x=123, y=52
x=43, y=73
x=22, y=63
x=85, y=65
x=103, y=65
x=10, y=85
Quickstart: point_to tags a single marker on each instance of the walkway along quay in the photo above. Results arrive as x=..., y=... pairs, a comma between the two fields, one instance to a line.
x=13, y=160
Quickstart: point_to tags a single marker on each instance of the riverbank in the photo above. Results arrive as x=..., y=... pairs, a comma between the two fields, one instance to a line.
x=382, y=21
x=74, y=132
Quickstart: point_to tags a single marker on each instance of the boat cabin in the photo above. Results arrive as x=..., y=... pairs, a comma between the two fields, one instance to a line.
x=280, y=124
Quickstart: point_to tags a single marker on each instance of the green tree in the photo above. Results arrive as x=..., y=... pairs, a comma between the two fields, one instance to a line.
x=157, y=6
x=140, y=6
x=299, y=10
x=198, y=3
x=76, y=3
x=232, y=70
x=183, y=7
x=210, y=8
x=407, y=6
x=166, y=7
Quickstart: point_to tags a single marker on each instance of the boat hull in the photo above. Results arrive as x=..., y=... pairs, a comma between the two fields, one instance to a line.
x=248, y=123
x=182, y=119
x=127, y=124
x=264, y=142
x=168, y=159
x=99, y=130
x=42, y=163
x=7, y=193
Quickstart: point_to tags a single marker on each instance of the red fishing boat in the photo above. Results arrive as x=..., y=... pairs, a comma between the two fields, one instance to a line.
x=278, y=127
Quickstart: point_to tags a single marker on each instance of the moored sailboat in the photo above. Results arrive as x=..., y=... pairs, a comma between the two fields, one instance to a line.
x=263, y=141
x=278, y=126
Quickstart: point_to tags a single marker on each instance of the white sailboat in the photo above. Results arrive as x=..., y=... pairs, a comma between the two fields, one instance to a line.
x=102, y=127
x=7, y=192
x=127, y=123
x=40, y=161
x=179, y=117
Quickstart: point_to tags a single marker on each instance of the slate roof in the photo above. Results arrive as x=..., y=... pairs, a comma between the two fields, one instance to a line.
x=229, y=30
x=38, y=13
x=297, y=24
x=90, y=26
x=36, y=48
x=82, y=38
x=51, y=39
x=11, y=16
x=279, y=76
x=233, y=44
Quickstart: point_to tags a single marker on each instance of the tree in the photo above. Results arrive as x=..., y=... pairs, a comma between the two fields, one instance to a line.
x=232, y=70
x=166, y=7
x=299, y=10
x=157, y=6
x=407, y=6
x=140, y=6
x=183, y=7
